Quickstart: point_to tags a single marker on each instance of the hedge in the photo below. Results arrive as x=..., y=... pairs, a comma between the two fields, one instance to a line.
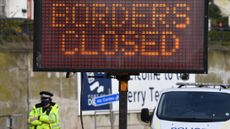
x=219, y=36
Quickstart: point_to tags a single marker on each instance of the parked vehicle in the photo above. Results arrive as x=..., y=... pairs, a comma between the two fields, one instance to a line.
x=191, y=106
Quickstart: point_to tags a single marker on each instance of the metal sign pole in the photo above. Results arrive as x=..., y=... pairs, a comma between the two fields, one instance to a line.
x=123, y=89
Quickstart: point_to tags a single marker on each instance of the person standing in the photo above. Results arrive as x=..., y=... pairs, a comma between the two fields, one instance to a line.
x=44, y=115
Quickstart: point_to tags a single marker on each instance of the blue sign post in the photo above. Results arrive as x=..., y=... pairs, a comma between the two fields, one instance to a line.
x=107, y=99
x=95, y=84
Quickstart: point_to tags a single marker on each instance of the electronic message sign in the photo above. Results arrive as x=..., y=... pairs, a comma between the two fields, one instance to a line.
x=121, y=35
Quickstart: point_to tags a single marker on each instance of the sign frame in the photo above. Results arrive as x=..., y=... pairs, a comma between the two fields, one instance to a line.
x=38, y=47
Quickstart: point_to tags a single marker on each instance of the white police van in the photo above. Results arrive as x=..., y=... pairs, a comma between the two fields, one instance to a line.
x=191, y=106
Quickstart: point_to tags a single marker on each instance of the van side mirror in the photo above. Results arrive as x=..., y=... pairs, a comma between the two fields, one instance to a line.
x=145, y=116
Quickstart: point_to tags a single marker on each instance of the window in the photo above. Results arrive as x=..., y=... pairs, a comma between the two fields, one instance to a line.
x=194, y=106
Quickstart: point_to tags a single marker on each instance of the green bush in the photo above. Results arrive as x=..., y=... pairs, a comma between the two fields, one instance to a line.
x=15, y=30
x=219, y=36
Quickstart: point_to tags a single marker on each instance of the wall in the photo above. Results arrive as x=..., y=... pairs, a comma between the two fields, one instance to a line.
x=218, y=65
x=20, y=87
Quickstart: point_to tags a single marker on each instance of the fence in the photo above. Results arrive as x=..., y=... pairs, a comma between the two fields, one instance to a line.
x=12, y=121
x=110, y=121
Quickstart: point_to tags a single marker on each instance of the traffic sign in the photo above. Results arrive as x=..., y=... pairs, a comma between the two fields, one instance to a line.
x=141, y=36
x=102, y=100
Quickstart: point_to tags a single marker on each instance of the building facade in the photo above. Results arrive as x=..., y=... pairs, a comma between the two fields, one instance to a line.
x=16, y=9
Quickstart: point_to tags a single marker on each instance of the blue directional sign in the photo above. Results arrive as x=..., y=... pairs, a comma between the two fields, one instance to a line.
x=103, y=100
x=95, y=84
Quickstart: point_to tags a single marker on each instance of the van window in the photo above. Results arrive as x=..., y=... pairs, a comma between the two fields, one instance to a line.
x=194, y=106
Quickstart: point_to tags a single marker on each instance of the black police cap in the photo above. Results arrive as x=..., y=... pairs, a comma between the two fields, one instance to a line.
x=46, y=94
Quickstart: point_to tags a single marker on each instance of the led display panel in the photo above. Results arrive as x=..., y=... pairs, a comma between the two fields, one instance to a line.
x=166, y=36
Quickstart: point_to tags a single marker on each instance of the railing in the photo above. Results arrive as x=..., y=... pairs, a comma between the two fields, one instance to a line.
x=110, y=122
x=12, y=121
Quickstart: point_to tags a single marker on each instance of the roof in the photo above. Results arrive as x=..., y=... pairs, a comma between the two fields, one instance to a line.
x=200, y=87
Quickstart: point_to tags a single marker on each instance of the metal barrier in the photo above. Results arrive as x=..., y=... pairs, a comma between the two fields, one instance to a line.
x=12, y=121
x=112, y=124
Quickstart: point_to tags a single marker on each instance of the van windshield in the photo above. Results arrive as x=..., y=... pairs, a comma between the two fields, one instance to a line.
x=194, y=106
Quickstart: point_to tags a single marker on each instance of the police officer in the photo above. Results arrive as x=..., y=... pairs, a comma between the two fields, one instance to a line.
x=44, y=115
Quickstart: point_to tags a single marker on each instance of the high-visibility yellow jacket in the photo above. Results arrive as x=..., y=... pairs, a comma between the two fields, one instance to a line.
x=49, y=119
